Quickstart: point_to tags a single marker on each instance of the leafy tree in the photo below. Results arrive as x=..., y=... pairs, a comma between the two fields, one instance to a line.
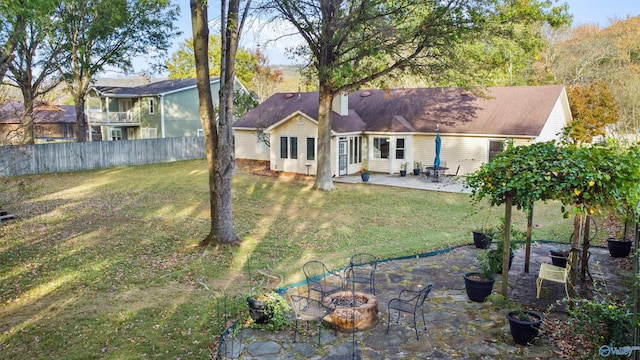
x=266, y=79
x=8, y=40
x=218, y=134
x=182, y=64
x=352, y=43
x=95, y=34
x=610, y=55
x=593, y=108
x=587, y=180
x=32, y=69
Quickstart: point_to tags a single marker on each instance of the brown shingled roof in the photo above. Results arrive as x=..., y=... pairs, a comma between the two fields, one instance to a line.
x=517, y=111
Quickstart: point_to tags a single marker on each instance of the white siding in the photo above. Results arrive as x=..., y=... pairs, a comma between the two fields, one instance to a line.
x=558, y=118
x=302, y=128
x=468, y=152
x=247, y=146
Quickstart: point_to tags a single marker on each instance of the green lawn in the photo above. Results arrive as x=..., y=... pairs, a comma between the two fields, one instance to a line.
x=104, y=264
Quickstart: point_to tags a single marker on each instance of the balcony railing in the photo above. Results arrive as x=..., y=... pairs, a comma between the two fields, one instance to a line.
x=101, y=118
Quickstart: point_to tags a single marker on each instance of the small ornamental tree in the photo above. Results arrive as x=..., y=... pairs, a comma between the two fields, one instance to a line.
x=587, y=180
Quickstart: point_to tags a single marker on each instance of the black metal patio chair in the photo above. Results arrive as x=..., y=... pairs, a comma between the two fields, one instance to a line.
x=307, y=309
x=362, y=270
x=321, y=279
x=410, y=302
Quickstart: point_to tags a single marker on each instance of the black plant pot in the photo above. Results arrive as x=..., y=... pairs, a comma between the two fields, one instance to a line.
x=365, y=177
x=477, y=290
x=523, y=332
x=416, y=171
x=510, y=263
x=559, y=258
x=481, y=240
x=258, y=311
x=403, y=172
x=619, y=248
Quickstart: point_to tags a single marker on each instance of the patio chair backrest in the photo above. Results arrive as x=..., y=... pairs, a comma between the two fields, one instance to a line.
x=423, y=296
x=304, y=307
x=363, y=265
x=315, y=270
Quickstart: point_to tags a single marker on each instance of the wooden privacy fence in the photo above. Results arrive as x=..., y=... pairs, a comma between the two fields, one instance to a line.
x=61, y=157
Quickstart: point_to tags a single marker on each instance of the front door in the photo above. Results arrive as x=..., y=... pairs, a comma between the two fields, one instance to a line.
x=342, y=157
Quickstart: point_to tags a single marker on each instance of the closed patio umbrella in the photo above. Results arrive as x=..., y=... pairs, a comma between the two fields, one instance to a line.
x=436, y=162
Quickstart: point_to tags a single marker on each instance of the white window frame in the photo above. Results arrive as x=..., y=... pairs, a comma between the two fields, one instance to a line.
x=377, y=152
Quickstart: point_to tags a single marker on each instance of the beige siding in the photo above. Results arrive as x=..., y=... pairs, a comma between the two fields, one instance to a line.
x=302, y=128
x=465, y=151
x=247, y=146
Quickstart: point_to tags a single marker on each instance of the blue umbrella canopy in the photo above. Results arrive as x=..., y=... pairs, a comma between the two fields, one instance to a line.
x=436, y=161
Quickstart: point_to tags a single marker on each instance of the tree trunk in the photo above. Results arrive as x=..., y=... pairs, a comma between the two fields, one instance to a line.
x=575, y=245
x=27, y=116
x=218, y=139
x=507, y=244
x=323, y=176
x=527, y=253
x=585, y=249
x=81, y=131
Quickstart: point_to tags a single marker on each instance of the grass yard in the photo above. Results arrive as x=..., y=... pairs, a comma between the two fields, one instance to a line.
x=104, y=264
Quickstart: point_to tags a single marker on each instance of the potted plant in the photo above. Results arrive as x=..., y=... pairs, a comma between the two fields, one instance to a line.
x=559, y=256
x=417, y=167
x=524, y=325
x=479, y=285
x=365, y=174
x=483, y=237
x=497, y=253
x=268, y=309
x=620, y=246
x=403, y=168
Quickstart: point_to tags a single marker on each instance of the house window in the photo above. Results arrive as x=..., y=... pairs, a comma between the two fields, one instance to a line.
x=116, y=134
x=284, y=147
x=355, y=144
x=294, y=147
x=400, y=149
x=65, y=130
x=152, y=107
x=311, y=149
x=495, y=147
x=380, y=148
x=288, y=147
x=200, y=133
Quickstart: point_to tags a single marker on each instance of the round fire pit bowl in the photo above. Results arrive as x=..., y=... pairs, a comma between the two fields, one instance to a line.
x=364, y=314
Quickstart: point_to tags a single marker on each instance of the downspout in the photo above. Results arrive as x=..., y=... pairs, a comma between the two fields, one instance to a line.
x=162, y=115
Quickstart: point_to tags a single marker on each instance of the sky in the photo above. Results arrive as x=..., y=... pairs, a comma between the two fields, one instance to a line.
x=271, y=40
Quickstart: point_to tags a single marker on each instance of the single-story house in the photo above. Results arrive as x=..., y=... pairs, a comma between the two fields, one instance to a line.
x=161, y=109
x=51, y=123
x=382, y=129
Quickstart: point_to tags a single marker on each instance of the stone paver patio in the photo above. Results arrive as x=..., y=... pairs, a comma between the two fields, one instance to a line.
x=456, y=327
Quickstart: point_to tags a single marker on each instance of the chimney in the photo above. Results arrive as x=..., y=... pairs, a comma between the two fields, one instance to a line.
x=341, y=104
